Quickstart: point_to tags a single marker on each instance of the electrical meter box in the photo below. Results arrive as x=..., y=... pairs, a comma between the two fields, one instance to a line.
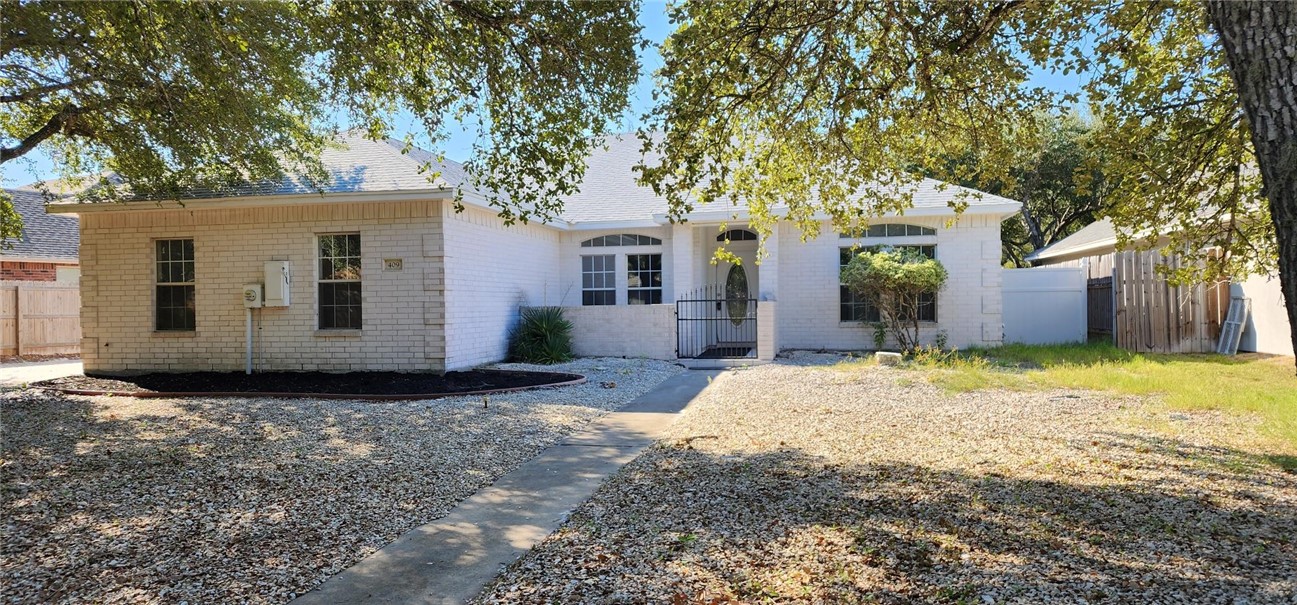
x=279, y=280
x=252, y=296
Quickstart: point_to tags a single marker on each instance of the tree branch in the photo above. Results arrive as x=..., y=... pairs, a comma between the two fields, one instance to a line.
x=56, y=123
x=40, y=91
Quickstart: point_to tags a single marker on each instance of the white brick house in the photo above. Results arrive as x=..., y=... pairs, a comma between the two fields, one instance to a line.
x=387, y=275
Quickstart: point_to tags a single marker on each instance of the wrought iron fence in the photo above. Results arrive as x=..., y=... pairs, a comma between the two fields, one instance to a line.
x=714, y=324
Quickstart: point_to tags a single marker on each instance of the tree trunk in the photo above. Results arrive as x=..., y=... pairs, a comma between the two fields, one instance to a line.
x=1033, y=226
x=1260, y=43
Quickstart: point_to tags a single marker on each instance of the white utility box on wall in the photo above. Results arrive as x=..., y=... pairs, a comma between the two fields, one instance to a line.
x=252, y=296
x=278, y=281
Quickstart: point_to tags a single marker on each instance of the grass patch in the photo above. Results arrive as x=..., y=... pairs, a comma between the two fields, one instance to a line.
x=1253, y=384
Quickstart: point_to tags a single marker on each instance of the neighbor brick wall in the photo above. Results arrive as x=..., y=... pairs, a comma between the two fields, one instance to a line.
x=231, y=245
x=492, y=271
x=968, y=308
x=28, y=271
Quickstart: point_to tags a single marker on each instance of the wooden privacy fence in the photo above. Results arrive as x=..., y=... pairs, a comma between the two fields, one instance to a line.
x=40, y=318
x=1152, y=316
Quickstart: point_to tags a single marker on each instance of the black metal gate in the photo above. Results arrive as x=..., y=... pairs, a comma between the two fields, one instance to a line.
x=712, y=325
x=1098, y=302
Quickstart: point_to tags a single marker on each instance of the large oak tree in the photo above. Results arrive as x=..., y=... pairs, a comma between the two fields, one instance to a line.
x=171, y=95
x=808, y=105
x=801, y=105
x=1059, y=178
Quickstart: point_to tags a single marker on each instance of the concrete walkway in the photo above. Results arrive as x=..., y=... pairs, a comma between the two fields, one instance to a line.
x=452, y=559
x=17, y=374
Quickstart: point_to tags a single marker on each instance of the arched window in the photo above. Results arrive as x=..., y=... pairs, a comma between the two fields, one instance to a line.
x=737, y=235
x=624, y=239
x=891, y=230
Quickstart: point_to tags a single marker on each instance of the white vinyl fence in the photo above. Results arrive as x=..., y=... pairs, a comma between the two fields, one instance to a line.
x=1044, y=305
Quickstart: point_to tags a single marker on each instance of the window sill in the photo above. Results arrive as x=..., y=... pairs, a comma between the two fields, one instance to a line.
x=175, y=333
x=338, y=333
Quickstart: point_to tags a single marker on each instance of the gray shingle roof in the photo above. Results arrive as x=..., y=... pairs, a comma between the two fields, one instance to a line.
x=609, y=191
x=354, y=165
x=1097, y=233
x=52, y=236
x=358, y=165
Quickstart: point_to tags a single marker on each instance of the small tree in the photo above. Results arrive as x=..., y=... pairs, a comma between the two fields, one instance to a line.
x=893, y=280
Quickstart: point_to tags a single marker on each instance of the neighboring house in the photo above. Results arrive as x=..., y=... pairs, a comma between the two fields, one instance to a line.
x=1095, y=246
x=47, y=250
x=387, y=275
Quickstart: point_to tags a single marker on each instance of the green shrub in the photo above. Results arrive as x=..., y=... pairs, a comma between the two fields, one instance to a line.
x=893, y=280
x=542, y=336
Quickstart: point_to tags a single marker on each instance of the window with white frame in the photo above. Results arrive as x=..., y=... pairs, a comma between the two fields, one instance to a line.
x=339, y=284
x=644, y=279
x=174, y=290
x=853, y=307
x=599, y=279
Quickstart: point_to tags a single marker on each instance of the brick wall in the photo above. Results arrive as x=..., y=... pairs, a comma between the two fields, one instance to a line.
x=624, y=331
x=28, y=271
x=968, y=309
x=231, y=245
x=463, y=278
x=492, y=271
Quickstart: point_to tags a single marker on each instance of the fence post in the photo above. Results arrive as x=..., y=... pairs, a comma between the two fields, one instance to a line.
x=18, y=319
x=1112, y=300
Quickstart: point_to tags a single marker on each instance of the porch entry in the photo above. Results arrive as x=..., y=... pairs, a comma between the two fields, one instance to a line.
x=719, y=320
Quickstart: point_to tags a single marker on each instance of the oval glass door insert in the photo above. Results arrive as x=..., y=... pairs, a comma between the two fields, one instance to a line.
x=736, y=294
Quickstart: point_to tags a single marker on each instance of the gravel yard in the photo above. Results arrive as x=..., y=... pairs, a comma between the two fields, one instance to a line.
x=804, y=482
x=119, y=500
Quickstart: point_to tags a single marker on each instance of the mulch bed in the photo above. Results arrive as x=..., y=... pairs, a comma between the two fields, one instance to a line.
x=313, y=383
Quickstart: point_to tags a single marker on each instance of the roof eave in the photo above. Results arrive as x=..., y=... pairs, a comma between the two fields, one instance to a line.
x=252, y=201
x=27, y=258
x=1048, y=253
x=620, y=224
x=1002, y=210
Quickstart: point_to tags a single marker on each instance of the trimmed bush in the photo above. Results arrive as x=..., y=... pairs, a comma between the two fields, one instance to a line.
x=542, y=336
x=893, y=279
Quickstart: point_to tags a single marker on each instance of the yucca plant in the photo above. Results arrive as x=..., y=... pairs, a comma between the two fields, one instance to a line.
x=542, y=336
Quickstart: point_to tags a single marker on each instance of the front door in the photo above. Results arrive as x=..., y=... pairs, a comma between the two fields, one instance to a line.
x=739, y=286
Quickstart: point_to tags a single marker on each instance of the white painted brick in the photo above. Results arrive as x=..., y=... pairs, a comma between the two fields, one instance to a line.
x=809, y=296
x=493, y=270
x=624, y=330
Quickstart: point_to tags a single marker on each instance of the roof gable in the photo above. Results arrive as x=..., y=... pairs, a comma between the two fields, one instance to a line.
x=609, y=191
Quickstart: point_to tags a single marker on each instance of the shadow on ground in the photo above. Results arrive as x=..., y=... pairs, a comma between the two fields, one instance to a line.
x=680, y=525
x=235, y=500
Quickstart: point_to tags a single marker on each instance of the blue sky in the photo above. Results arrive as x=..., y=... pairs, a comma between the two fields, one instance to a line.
x=458, y=146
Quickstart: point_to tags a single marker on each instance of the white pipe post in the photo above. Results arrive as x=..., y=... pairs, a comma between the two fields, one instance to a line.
x=249, y=341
